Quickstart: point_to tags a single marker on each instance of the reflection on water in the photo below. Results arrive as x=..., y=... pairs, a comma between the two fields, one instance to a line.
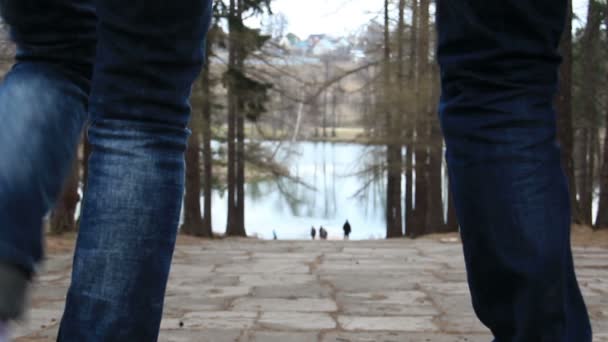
x=330, y=189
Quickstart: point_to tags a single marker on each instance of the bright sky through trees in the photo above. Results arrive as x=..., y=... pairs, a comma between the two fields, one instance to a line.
x=341, y=17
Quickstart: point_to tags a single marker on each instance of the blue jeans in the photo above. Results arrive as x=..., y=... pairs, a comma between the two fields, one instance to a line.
x=130, y=65
x=499, y=70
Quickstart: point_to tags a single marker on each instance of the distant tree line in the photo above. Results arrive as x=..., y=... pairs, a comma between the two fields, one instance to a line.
x=398, y=111
x=401, y=110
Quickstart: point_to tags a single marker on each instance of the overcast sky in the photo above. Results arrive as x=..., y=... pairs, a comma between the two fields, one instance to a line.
x=341, y=17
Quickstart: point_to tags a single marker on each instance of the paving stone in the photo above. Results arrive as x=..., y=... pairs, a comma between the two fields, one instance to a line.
x=190, y=271
x=208, y=291
x=265, y=267
x=297, y=321
x=600, y=337
x=599, y=286
x=223, y=320
x=404, y=303
x=364, y=282
x=180, y=304
x=211, y=279
x=454, y=304
x=42, y=335
x=380, y=268
x=37, y=319
x=274, y=336
x=57, y=263
x=209, y=335
x=401, y=337
x=256, y=280
x=451, y=275
x=310, y=290
x=447, y=288
x=303, y=257
x=248, y=290
x=406, y=323
x=283, y=304
x=462, y=323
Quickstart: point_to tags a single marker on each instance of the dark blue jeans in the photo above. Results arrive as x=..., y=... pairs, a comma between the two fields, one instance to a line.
x=499, y=71
x=130, y=65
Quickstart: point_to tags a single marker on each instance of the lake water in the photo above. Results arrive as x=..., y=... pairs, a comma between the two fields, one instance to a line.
x=331, y=177
x=335, y=184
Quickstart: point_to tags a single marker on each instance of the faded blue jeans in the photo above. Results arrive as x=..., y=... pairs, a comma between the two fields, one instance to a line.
x=499, y=70
x=130, y=65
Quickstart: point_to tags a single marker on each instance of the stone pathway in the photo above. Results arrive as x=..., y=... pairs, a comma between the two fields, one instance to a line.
x=373, y=291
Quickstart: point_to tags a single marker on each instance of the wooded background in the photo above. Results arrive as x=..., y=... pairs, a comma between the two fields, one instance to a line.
x=250, y=92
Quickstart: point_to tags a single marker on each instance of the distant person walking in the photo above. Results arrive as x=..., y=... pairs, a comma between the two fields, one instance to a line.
x=274, y=235
x=322, y=233
x=347, y=230
x=313, y=233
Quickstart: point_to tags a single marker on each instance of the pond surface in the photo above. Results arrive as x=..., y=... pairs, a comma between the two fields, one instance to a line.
x=332, y=186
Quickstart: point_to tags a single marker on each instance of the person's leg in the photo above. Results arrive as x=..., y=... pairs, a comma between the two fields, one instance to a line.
x=43, y=105
x=499, y=69
x=149, y=53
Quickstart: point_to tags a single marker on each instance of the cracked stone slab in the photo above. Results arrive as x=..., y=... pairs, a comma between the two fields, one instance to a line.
x=309, y=290
x=208, y=291
x=37, y=319
x=297, y=321
x=447, y=288
x=283, y=305
x=279, y=336
x=405, y=323
x=401, y=337
x=222, y=320
x=403, y=303
x=361, y=282
x=462, y=323
x=265, y=267
x=210, y=335
x=332, y=291
x=257, y=280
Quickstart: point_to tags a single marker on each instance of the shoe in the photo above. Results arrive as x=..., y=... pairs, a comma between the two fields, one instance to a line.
x=3, y=331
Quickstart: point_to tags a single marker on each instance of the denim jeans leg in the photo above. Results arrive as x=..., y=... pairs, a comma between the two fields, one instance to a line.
x=43, y=105
x=499, y=70
x=149, y=53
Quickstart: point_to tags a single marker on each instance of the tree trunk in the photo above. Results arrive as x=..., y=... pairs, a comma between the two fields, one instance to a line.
x=409, y=187
x=231, y=225
x=236, y=226
x=586, y=192
x=410, y=123
x=564, y=114
x=420, y=224
x=602, y=215
x=207, y=152
x=334, y=112
x=435, y=220
x=590, y=81
x=62, y=218
x=240, y=176
x=582, y=173
x=394, y=224
x=325, y=97
x=193, y=222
